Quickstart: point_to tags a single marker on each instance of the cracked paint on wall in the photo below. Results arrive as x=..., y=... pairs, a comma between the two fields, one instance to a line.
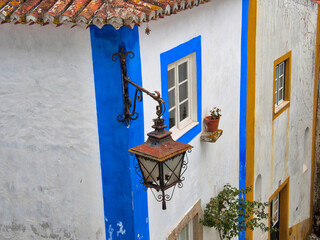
x=121, y=230
x=110, y=232
x=40, y=231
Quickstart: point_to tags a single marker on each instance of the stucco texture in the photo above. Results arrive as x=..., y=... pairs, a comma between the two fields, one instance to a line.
x=211, y=165
x=50, y=177
x=283, y=144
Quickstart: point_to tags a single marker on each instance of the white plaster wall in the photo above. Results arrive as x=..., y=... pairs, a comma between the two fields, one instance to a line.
x=284, y=25
x=211, y=165
x=50, y=177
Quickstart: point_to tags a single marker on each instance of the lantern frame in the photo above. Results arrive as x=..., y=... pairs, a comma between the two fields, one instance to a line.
x=160, y=148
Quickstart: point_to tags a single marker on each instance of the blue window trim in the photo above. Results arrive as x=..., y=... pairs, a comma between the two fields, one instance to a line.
x=173, y=55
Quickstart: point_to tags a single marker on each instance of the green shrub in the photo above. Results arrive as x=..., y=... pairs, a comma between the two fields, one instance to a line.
x=230, y=213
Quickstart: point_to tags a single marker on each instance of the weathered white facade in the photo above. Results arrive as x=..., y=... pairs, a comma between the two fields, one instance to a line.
x=211, y=165
x=283, y=144
x=48, y=119
x=64, y=168
x=50, y=178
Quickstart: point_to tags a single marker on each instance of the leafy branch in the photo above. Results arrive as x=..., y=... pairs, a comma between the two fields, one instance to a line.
x=230, y=213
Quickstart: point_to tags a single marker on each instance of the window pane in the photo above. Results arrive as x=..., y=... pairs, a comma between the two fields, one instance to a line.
x=183, y=71
x=276, y=85
x=276, y=92
x=171, y=78
x=184, y=234
x=172, y=118
x=172, y=96
x=183, y=91
x=277, y=75
x=281, y=68
x=184, y=111
x=275, y=210
x=280, y=95
x=281, y=82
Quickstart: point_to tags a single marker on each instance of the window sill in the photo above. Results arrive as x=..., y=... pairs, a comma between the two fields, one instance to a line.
x=179, y=133
x=279, y=109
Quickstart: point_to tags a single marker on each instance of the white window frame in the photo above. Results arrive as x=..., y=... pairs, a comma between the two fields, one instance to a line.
x=280, y=77
x=275, y=210
x=181, y=127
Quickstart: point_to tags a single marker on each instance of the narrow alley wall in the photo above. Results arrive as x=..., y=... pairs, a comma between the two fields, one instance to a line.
x=50, y=177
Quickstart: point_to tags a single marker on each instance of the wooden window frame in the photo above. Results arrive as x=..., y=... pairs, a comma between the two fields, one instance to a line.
x=277, y=110
x=194, y=214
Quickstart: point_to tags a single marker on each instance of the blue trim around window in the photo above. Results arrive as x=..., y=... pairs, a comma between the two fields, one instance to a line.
x=173, y=55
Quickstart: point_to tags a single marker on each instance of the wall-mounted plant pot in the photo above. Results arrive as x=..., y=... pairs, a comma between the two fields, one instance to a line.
x=211, y=124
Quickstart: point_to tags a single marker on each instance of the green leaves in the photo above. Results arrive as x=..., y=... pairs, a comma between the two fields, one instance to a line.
x=230, y=213
x=215, y=113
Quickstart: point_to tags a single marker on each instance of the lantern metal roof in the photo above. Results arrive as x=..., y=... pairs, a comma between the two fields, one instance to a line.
x=160, y=146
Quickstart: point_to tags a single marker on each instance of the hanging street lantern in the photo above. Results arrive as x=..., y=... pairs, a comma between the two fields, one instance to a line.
x=161, y=161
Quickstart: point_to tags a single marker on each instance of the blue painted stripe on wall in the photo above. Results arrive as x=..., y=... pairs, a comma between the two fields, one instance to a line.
x=173, y=55
x=243, y=99
x=125, y=203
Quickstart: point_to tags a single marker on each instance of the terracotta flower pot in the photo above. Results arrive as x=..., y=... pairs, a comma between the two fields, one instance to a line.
x=211, y=124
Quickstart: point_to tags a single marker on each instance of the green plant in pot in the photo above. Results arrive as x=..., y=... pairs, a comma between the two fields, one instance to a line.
x=230, y=213
x=212, y=121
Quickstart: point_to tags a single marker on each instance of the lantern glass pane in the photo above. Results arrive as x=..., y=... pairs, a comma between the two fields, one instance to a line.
x=172, y=169
x=149, y=169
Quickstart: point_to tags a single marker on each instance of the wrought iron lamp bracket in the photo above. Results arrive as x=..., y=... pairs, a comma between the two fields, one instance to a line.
x=132, y=114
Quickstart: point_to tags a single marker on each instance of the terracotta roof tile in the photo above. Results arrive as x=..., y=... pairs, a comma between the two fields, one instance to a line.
x=20, y=13
x=3, y=2
x=9, y=8
x=118, y=13
x=56, y=11
x=88, y=12
x=37, y=14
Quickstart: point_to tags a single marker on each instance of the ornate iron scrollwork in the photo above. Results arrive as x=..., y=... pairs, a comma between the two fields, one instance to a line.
x=128, y=114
